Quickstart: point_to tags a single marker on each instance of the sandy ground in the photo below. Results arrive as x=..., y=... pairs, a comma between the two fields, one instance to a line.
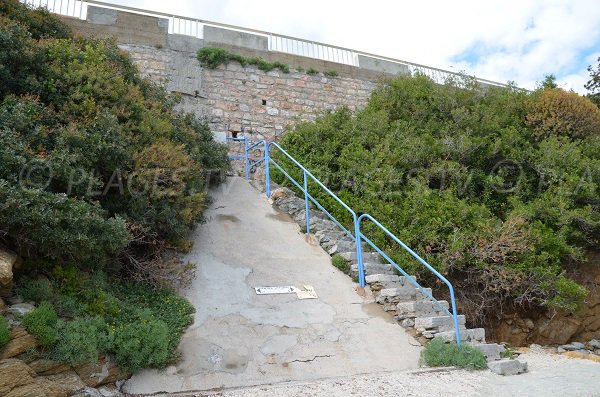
x=549, y=375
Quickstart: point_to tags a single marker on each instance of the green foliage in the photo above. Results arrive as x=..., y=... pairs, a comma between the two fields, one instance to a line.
x=41, y=323
x=500, y=204
x=95, y=163
x=437, y=353
x=331, y=73
x=141, y=344
x=339, y=262
x=137, y=323
x=80, y=340
x=213, y=57
x=593, y=84
x=4, y=332
x=311, y=71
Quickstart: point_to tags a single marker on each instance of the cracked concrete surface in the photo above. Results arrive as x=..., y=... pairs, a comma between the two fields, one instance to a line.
x=242, y=339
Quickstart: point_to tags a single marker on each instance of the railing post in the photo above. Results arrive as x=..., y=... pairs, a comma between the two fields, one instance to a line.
x=306, y=204
x=359, y=257
x=267, y=174
x=454, y=316
x=246, y=156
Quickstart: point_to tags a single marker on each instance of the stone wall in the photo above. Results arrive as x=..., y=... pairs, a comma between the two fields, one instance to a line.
x=232, y=97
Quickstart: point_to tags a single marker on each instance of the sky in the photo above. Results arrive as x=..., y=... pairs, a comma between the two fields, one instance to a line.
x=507, y=40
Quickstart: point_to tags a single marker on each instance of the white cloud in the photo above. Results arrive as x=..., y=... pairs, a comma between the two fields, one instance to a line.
x=520, y=40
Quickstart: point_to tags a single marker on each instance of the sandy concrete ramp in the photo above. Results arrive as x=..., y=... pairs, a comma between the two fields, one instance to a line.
x=241, y=339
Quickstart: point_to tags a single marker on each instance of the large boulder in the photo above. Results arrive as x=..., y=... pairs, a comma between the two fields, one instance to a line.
x=20, y=342
x=100, y=373
x=48, y=367
x=8, y=262
x=14, y=373
x=39, y=387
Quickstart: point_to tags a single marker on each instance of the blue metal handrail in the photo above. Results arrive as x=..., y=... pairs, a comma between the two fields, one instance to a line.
x=408, y=277
x=358, y=236
x=307, y=196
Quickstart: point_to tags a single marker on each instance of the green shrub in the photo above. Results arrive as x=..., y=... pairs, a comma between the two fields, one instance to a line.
x=438, y=353
x=331, y=73
x=41, y=322
x=339, y=262
x=143, y=344
x=212, y=57
x=311, y=71
x=4, y=332
x=80, y=340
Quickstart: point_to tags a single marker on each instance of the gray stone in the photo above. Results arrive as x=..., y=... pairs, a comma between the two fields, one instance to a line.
x=467, y=335
x=583, y=351
x=560, y=350
x=439, y=323
x=573, y=346
x=381, y=278
x=21, y=308
x=595, y=343
x=491, y=351
x=88, y=392
x=407, y=323
x=507, y=367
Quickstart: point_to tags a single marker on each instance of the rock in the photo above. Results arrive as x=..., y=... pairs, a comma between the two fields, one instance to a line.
x=14, y=373
x=591, y=357
x=48, y=367
x=8, y=262
x=39, y=387
x=573, y=346
x=594, y=343
x=556, y=330
x=3, y=306
x=507, y=367
x=529, y=323
x=491, y=351
x=21, y=342
x=407, y=323
x=69, y=381
x=88, y=392
x=100, y=373
x=560, y=350
x=21, y=308
x=110, y=391
x=468, y=335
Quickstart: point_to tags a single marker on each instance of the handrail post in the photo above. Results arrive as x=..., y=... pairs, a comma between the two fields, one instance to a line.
x=455, y=317
x=306, y=204
x=359, y=257
x=267, y=174
x=246, y=157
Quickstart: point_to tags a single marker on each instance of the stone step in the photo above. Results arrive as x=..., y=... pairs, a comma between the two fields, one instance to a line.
x=438, y=323
x=406, y=293
x=367, y=256
x=508, y=367
x=423, y=308
x=466, y=335
x=371, y=268
x=491, y=351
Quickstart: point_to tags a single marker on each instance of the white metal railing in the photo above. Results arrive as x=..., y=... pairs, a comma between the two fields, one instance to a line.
x=279, y=43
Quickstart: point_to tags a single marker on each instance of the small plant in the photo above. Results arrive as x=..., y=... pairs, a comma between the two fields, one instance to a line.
x=342, y=264
x=213, y=57
x=331, y=73
x=41, y=323
x=300, y=69
x=438, y=353
x=311, y=71
x=143, y=344
x=80, y=340
x=507, y=353
x=4, y=332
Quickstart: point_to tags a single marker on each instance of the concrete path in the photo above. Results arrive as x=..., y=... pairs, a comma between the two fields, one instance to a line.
x=242, y=339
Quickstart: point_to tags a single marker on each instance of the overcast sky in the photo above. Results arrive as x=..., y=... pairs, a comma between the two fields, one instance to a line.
x=516, y=40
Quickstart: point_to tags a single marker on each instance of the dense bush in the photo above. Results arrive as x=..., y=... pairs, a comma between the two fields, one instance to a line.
x=139, y=325
x=95, y=164
x=503, y=205
x=437, y=353
x=41, y=322
x=4, y=332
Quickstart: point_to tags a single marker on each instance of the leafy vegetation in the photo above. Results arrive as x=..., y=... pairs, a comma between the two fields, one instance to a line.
x=331, y=73
x=311, y=71
x=4, y=332
x=497, y=188
x=593, y=85
x=339, y=262
x=437, y=353
x=138, y=324
x=96, y=167
x=213, y=57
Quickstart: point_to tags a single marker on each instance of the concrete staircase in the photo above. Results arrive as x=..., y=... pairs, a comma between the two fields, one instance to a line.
x=412, y=309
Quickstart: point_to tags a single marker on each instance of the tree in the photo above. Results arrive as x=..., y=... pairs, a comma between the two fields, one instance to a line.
x=593, y=85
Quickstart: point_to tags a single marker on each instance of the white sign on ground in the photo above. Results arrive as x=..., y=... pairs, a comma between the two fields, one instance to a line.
x=307, y=293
